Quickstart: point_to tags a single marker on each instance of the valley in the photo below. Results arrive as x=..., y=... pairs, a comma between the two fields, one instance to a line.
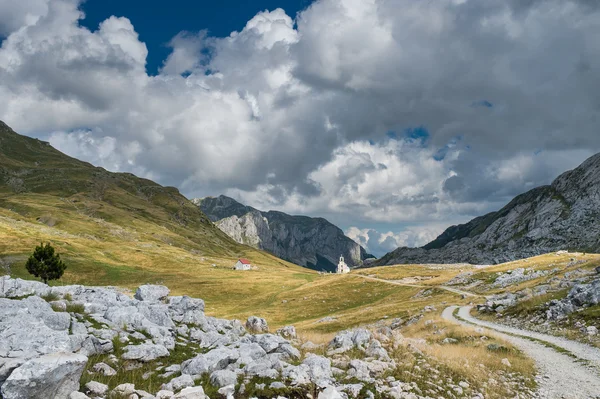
x=381, y=329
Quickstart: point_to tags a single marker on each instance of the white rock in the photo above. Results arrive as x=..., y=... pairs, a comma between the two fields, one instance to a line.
x=221, y=378
x=216, y=359
x=96, y=388
x=151, y=292
x=12, y=288
x=506, y=362
x=592, y=330
x=104, y=369
x=123, y=390
x=191, y=393
x=178, y=383
x=257, y=325
x=287, y=332
x=164, y=394
x=78, y=395
x=144, y=352
x=318, y=369
x=330, y=393
x=49, y=376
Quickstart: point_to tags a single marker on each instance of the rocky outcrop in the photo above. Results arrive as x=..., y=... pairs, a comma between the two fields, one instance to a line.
x=44, y=348
x=580, y=296
x=309, y=242
x=172, y=340
x=564, y=215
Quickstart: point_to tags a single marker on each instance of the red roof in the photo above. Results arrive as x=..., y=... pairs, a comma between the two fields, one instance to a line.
x=245, y=261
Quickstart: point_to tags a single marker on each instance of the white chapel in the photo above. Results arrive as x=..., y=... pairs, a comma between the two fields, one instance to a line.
x=342, y=267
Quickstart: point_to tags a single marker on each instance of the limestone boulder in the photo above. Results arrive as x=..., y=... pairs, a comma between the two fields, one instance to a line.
x=30, y=328
x=287, y=332
x=216, y=359
x=222, y=378
x=178, y=383
x=151, y=292
x=184, y=309
x=49, y=376
x=144, y=352
x=14, y=288
x=191, y=393
x=96, y=389
x=257, y=325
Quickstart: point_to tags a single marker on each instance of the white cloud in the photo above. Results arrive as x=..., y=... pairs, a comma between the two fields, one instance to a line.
x=379, y=244
x=294, y=116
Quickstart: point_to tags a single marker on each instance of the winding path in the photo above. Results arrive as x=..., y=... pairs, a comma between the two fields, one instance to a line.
x=442, y=287
x=560, y=375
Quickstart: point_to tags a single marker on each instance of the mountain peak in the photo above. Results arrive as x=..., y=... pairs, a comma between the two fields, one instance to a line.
x=562, y=215
x=306, y=241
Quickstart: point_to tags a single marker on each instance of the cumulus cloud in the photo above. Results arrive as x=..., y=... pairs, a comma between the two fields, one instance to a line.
x=379, y=244
x=362, y=111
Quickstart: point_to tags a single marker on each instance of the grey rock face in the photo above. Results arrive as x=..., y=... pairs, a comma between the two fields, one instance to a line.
x=49, y=376
x=561, y=216
x=309, y=242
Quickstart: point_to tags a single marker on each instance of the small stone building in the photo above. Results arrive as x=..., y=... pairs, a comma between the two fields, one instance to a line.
x=342, y=267
x=243, y=264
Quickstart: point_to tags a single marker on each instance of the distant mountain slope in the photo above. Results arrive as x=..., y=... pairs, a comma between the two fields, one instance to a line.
x=311, y=242
x=563, y=215
x=38, y=180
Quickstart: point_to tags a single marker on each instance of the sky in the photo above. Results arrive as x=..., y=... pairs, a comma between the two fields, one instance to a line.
x=391, y=118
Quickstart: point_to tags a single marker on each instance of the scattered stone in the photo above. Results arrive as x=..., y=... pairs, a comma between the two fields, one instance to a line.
x=257, y=325
x=164, y=394
x=191, y=393
x=178, y=383
x=287, y=332
x=123, y=391
x=330, y=393
x=104, y=369
x=96, y=389
x=221, y=378
x=449, y=341
x=144, y=352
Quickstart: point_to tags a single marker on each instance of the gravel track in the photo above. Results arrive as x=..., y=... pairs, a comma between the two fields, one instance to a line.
x=443, y=287
x=560, y=376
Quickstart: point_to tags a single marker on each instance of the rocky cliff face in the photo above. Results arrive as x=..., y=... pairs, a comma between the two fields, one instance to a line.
x=563, y=215
x=309, y=242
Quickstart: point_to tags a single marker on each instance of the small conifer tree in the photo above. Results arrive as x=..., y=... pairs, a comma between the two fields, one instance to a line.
x=45, y=263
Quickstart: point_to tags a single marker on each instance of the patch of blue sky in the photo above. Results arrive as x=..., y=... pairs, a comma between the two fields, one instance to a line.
x=482, y=103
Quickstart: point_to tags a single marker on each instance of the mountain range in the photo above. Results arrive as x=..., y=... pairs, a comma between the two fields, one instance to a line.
x=311, y=242
x=39, y=182
x=564, y=215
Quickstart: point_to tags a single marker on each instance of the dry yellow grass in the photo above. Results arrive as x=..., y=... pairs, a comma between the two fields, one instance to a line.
x=469, y=358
